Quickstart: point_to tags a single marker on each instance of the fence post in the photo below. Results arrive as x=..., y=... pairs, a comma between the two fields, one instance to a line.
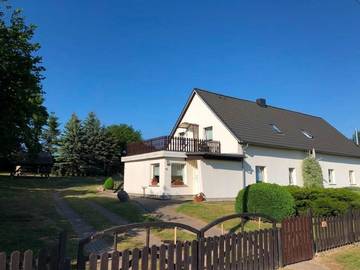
x=80, y=263
x=310, y=220
x=62, y=250
x=350, y=221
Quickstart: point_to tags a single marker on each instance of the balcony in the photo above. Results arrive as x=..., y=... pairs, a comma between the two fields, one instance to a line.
x=176, y=144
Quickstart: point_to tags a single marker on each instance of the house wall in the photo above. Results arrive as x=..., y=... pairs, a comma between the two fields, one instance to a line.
x=137, y=174
x=220, y=179
x=278, y=162
x=199, y=113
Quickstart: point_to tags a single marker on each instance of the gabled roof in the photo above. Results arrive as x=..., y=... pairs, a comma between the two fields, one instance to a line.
x=252, y=124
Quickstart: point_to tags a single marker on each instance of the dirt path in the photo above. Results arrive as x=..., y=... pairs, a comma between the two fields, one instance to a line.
x=166, y=211
x=81, y=228
x=118, y=220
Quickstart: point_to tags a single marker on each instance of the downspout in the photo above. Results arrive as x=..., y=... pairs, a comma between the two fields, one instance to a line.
x=243, y=165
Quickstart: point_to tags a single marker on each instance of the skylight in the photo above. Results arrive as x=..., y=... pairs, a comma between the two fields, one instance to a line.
x=276, y=129
x=307, y=134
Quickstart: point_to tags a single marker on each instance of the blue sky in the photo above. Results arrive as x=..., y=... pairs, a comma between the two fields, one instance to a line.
x=136, y=62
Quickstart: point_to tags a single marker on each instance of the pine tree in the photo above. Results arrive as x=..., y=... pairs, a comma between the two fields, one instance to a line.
x=99, y=147
x=71, y=148
x=50, y=135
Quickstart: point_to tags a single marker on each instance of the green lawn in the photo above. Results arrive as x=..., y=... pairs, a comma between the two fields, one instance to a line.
x=29, y=219
x=209, y=211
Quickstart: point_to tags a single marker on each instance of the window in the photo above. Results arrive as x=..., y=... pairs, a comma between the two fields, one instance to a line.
x=276, y=129
x=307, y=134
x=292, y=176
x=331, y=175
x=155, y=174
x=260, y=174
x=177, y=174
x=208, y=133
x=352, y=178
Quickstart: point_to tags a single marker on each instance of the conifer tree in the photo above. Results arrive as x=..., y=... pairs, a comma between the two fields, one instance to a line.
x=50, y=135
x=71, y=147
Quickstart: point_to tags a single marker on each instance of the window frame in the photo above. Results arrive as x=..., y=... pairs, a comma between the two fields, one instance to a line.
x=212, y=133
x=184, y=180
x=292, y=174
x=264, y=180
x=152, y=174
x=276, y=129
x=307, y=134
x=331, y=176
x=352, y=177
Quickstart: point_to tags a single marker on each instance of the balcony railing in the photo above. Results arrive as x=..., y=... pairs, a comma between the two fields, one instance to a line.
x=177, y=144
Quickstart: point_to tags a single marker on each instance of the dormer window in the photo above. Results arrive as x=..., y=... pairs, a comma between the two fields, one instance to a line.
x=307, y=134
x=276, y=129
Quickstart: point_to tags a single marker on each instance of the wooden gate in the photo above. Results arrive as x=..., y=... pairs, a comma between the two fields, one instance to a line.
x=297, y=239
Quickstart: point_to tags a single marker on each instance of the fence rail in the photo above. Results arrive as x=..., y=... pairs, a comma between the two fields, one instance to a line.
x=297, y=239
x=336, y=231
x=178, y=144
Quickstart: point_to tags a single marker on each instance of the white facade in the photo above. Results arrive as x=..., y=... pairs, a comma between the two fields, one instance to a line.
x=222, y=179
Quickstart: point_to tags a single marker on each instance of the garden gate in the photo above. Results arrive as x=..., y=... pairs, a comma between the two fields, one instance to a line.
x=297, y=239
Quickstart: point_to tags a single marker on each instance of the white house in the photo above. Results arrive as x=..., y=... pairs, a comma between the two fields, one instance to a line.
x=221, y=144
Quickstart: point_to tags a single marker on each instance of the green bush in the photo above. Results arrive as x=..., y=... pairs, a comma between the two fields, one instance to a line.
x=324, y=202
x=312, y=173
x=109, y=183
x=263, y=198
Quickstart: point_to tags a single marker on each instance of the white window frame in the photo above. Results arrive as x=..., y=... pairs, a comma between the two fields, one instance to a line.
x=184, y=176
x=307, y=134
x=212, y=133
x=352, y=177
x=331, y=177
x=264, y=180
x=152, y=165
x=292, y=174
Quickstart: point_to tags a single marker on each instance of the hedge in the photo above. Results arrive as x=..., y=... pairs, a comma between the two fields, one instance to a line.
x=324, y=202
x=269, y=199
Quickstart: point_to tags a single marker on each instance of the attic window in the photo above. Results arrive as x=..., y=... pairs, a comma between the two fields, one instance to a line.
x=307, y=134
x=276, y=129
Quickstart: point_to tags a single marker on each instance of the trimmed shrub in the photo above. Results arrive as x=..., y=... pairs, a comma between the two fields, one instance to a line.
x=109, y=183
x=324, y=202
x=263, y=198
x=312, y=173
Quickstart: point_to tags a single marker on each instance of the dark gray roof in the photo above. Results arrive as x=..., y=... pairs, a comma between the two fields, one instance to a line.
x=251, y=123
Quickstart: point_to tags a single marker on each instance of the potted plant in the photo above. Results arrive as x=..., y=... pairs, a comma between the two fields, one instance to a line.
x=177, y=182
x=199, y=197
x=154, y=181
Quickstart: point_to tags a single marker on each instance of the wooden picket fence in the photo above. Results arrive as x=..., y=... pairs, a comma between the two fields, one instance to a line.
x=51, y=258
x=249, y=250
x=335, y=231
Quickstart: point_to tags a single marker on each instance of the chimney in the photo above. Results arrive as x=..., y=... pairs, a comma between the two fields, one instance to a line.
x=261, y=102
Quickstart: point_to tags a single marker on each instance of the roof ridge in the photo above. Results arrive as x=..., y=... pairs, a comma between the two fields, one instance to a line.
x=247, y=100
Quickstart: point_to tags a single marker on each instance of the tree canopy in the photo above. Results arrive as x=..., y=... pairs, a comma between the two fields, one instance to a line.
x=50, y=135
x=22, y=113
x=124, y=134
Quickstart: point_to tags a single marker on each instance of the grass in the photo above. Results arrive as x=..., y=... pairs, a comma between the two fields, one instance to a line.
x=29, y=219
x=209, y=211
x=349, y=259
x=345, y=258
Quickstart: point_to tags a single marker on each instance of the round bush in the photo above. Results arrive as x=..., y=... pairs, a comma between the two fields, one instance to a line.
x=109, y=183
x=263, y=198
x=123, y=196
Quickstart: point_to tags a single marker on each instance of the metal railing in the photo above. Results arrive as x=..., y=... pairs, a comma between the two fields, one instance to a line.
x=177, y=144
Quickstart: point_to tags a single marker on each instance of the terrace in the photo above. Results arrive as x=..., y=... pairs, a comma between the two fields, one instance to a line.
x=175, y=144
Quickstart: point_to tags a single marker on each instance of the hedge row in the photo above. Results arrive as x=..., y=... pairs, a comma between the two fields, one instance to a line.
x=324, y=201
x=280, y=202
